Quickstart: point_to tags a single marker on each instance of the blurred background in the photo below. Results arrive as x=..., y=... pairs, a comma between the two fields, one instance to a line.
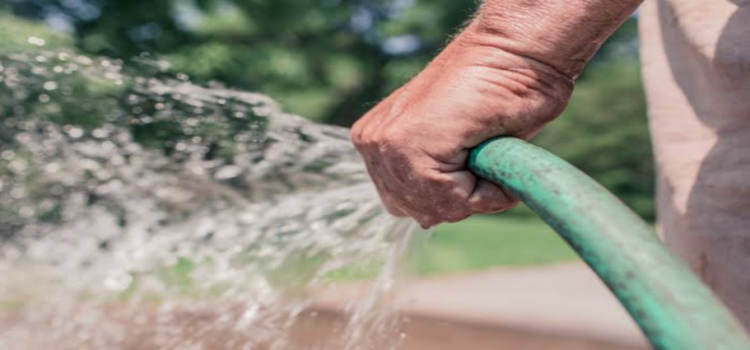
x=331, y=60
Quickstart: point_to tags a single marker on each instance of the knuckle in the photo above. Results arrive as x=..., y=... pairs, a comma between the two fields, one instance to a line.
x=453, y=213
x=445, y=184
x=447, y=209
x=356, y=134
x=456, y=217
x=491, y=207
x=392, y=136
x=427, y=221
x=393, y=211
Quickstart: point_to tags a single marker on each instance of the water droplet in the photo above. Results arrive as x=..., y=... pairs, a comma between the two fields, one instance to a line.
x=52, y=167
x=18, y=193
x=100, y=133
x=50, y=86
x=83, y=60
x=18, y=165
x=73, y=132
x=39, y=70
x=36, y=41
x=227, y=172
x=8, y=155
x=118, y=282
x=26, y=212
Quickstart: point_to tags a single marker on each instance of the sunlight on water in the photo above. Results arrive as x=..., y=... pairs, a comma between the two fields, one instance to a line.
x=141, y=211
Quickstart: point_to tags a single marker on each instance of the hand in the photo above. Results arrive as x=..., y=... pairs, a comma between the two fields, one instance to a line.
x=416, y=142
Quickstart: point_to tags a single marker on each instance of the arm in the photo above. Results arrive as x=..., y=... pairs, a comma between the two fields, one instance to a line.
x=564, y=34
x=508, y=73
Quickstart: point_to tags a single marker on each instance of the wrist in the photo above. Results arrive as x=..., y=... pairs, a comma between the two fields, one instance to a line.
x=563, y=34
x=501, y=92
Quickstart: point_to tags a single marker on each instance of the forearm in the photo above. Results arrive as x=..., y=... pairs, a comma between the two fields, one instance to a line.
x=564, y=34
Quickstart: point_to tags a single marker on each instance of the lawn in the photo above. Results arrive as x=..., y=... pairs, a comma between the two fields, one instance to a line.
x=483, y=242
x=478, y=243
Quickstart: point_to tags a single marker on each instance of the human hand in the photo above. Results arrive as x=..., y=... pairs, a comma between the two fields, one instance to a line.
x=416, y=142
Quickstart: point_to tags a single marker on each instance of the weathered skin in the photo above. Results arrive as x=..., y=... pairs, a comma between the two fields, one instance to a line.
x=696, y=66
x=508, y=73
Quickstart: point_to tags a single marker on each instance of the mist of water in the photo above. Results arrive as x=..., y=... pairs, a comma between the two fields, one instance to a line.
x=142, y=211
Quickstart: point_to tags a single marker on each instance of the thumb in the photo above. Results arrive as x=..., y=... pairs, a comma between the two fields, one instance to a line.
x=488, y=198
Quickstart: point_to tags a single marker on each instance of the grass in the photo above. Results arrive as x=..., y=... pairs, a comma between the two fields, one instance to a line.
x=483, y=242
x=478, y=243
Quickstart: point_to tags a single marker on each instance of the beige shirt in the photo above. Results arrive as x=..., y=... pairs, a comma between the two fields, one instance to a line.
x=696, y=67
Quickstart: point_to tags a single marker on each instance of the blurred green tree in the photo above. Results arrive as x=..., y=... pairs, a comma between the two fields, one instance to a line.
x=331, y=60
x=326, y=59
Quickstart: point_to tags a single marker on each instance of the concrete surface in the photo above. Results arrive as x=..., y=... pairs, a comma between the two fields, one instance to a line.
x=566, y=301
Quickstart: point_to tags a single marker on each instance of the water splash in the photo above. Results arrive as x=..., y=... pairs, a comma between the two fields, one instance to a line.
x=142, y=211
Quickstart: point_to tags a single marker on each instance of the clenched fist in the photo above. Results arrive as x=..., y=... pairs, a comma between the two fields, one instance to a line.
x=416, y=142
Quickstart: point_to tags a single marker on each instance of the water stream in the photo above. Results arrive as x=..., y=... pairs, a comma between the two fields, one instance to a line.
x=141, y=211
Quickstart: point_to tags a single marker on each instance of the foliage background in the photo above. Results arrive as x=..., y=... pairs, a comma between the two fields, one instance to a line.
x=331, y=60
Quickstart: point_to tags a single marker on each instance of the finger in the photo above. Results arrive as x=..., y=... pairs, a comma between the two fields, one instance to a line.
x=398, y=200
x=390, y=205
x=393, y=207
x=365, y=127
x=489, y=198
x=375, y=170
x=440, y=200
x=426, y=221
x=386, y=199
x=377, y=115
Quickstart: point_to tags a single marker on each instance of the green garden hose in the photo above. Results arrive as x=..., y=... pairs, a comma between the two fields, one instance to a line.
x=672, y=306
